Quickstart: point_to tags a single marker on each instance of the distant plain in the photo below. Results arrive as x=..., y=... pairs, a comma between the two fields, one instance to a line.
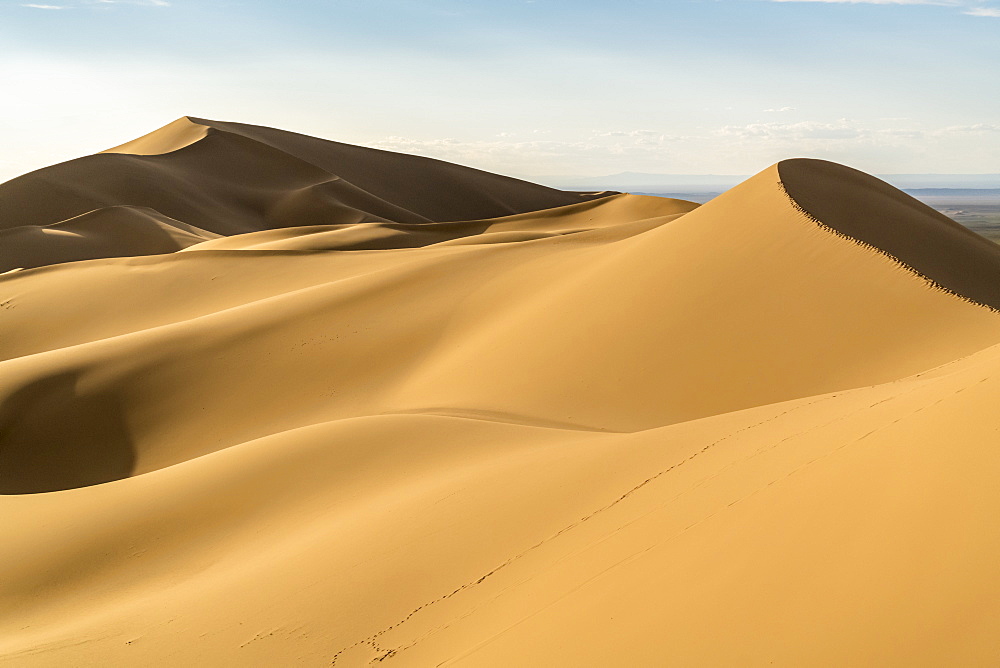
x=977, y=210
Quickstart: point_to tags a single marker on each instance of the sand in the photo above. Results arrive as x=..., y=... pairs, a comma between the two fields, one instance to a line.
x=284, y=401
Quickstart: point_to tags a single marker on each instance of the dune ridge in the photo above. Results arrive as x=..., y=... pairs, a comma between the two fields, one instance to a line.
x=171, y=137
x=226, y=179
x=950, y=256
x=117, y=230
x=613, y=430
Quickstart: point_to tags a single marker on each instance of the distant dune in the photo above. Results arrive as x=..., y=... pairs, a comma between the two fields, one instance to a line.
x=230, y=178
x=271, y=400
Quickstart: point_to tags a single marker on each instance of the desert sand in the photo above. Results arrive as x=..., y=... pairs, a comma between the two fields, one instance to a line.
x=271, y=400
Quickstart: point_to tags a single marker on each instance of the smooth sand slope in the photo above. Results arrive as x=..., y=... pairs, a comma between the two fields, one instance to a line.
x=621, y=430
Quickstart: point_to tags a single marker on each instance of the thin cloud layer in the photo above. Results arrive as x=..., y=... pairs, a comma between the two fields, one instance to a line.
x=969, y=8
x=879, y=2
x=646, y=149
x=101, y=3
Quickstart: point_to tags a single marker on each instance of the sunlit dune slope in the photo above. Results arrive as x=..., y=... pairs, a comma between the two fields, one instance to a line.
x=627, y=214
x=171, y=137
x=620, y=431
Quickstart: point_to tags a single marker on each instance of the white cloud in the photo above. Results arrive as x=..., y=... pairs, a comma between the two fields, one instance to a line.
x=978, y=128
x=945, y=3
x=626, y=149
x=101, y=3
x=876, y=145
x=842, y=129
x=497, y=155
x=970, y=7
x=779, y=110
x=629, y=133
x=141, y=3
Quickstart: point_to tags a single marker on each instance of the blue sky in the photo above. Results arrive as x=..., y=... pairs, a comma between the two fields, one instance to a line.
x=524, y=87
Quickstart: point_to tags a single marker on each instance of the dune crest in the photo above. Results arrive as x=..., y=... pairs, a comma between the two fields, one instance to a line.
x=229, y=178
x=267, y=399
x=888, y=220
x=171, y=137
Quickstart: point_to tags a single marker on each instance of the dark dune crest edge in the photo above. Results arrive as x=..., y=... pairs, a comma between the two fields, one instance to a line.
x=946, y=255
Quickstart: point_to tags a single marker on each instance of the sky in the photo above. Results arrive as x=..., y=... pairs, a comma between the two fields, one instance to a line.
x=530, y=88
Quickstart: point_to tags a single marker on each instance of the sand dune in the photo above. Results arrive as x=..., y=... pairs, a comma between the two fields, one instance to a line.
x=229, y=178
x=311, y=404
x=108, y=232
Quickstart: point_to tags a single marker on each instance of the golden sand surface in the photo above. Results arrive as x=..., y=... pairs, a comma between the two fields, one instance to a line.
x=269, y=400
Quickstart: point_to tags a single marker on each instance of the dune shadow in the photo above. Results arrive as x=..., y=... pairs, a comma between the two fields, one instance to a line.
x=53, y=437
x=866, y=209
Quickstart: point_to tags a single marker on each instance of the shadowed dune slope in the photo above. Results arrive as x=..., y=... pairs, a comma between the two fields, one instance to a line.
x=431, y=189
x=232, y=178
x=869, y=210
x=622, y=431
x=108, y=232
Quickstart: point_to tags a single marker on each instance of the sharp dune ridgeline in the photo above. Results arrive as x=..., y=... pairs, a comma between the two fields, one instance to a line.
x=271, y=400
